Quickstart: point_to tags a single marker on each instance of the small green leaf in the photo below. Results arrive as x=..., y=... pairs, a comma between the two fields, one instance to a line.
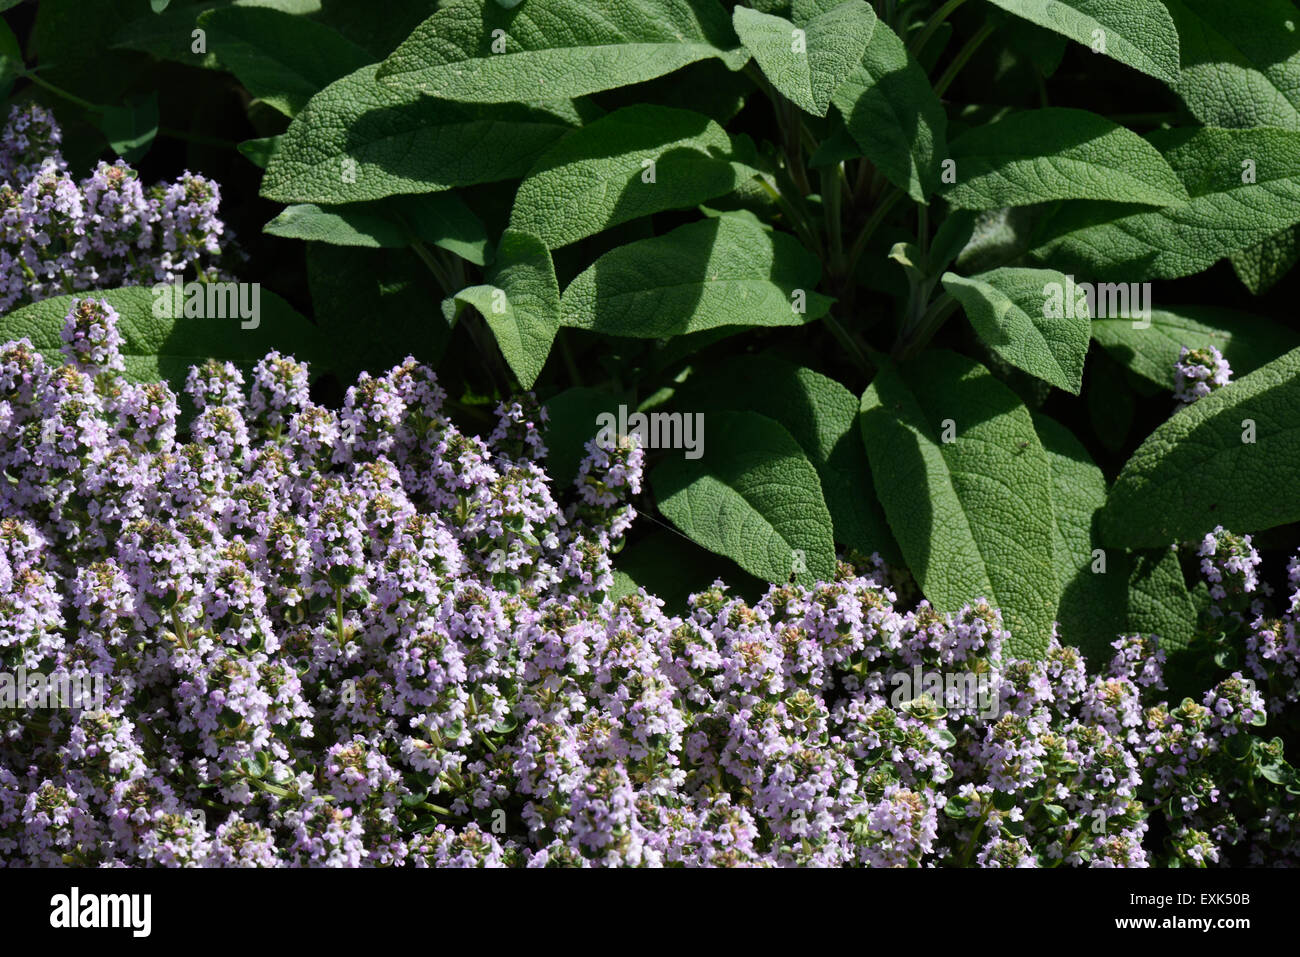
x=1011, y=309
x=893, y=113
x=973, y=515
x=753, y=497
x=572, y=423
x=635, y=161
x=1035, y=156
x=474, y=51
x=1231, y=458
x=1139, y=33
x=259, y=151
x=521, y=303
x=808, y=63
x=724, y=271
x=1246, y=341
x=131, y=128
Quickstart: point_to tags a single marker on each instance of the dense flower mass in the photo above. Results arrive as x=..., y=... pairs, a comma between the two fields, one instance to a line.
x=364, y=637
x=58, y=235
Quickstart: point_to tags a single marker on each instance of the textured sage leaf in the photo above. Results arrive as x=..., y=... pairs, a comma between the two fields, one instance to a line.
x=1140, y=33
x=892, y=112
x=282, y=59
x=1035, y=156
x=973, y=516
x=555, y=48
x=1091, y=611
x=1225, y=214
x=1246, y=341
x=358, y=140
x=157, y=349
x=822, y=416
x=631, y=163
x=439, y=218
x=1195, y=471
x=1008, y=308
x=1158, y=601
x=259, y=151
x=131, y=127
x=1261, y=267
x=1240, y=63
x=521, y=303
x=753, y=496
x=808, y=63
x=723, y=271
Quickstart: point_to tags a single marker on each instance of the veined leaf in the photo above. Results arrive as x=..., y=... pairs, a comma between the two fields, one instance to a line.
x=1139, y=33
x=973, y=515
x=157, y=349
x=1010, y=309
x=1240, y=65
x=1091, y=611
x=753, y=497
x=1260, y=267
x=1246, y=341
x=631, y=163
x=521, y=303
x=1035, y=156
x=723, y=271
x=1231, y=458
x=359, y=140
x=439, y=218
x=892, y=112
x=476, y=51
x=282, y=59
x=822, y=416
x=1158, y=601
x=808, y=63
x=1244, y=187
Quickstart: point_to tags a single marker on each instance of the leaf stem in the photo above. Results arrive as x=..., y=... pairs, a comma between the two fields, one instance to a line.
x=877, y=216
x=962, y=58
x=937, y=19
x=60, y=92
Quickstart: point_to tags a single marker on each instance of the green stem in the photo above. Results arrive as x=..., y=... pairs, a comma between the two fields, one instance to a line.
x=937, y=19
x=831, y=206
x=60, y=92
x=915, y=338
x=877, y=216
x=842, y=336
x=197, y=138
x=962, y=58
x=338, y=598
x=435, y=267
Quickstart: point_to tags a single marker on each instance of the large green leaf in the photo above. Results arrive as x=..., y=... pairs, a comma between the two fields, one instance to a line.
x=808, y=63
x=1009, y=309
x=1158, y=601
x=156, y=349
x=894, y=115
x=1240, y=63
x=572, y=421
x=1093, y=587
x=1140, y=33
x=1226, y=212
x=753, y=496
x=724, y=271
x=521, y=303
x=555, y=48
x=1246, y=341
x=1261, y=267
x=1035, y=156
x=282, y=59
x=598, y=177
x=359, y=140
x=439, y=218
x=822, y=416
x=1197, y=471
x=973, y=515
